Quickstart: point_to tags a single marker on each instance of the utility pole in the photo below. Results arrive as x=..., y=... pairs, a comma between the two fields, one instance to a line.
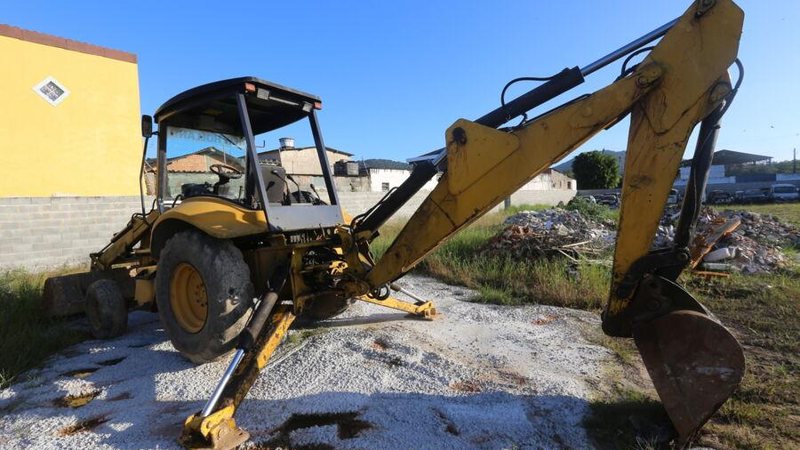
x=794, y=161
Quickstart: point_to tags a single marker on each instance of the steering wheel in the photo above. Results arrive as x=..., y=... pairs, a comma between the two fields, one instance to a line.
x=233, y=173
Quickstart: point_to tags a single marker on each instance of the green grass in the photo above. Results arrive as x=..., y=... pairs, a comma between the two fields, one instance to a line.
x=591, y=210
x=764, y=413
x=764, y=311
x=502, y=280
x=26, y=336
x=787, y=212
x=514, y=209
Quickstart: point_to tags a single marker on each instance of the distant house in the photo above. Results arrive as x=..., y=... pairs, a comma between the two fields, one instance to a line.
x=368, y=175
x=381, y=175
x=373, y=175
x=201, y=160
x=192, y=167
x=729, y=158
x=550, y=179
x=301, y=160
x=385, y=174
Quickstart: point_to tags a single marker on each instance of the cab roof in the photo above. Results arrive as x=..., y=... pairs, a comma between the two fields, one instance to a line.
x=212, y=107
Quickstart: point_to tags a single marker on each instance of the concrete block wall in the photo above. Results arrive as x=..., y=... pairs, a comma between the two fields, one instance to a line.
x=45, y=232
x=358, y=202
x=544, y=197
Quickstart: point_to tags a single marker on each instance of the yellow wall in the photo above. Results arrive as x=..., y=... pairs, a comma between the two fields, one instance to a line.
x=89, y=144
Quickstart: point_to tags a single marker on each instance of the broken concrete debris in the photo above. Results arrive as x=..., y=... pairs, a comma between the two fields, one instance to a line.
x=739, y=241
x=556, y=231
x=755, y=246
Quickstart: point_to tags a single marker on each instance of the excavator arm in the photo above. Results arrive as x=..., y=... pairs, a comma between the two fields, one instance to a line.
x=695, y=363
x=675, y=87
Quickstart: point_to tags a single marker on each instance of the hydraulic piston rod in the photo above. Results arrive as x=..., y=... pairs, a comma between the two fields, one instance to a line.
x=559, y=84
x=628, y=48
x=246, y=341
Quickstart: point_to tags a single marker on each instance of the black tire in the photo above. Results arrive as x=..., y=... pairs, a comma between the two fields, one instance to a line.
x=106, y=309
x=228, y=292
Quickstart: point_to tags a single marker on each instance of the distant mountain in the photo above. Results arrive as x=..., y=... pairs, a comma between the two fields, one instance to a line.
x=566, y=166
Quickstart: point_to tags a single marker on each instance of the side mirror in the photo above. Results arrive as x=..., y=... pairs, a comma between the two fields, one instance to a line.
x=147, y=126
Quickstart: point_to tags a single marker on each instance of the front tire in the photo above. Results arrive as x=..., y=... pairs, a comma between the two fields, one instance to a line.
x=204, y=294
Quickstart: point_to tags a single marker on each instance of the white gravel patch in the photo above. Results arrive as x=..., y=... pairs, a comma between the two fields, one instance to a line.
x=479, y=376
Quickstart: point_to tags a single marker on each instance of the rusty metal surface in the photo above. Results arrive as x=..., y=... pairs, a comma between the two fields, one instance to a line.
x=695, y=364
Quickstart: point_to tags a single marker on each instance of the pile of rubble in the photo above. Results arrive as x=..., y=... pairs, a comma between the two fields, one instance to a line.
x=556, y=231
x=767, y=229
x=755, y=246
x=665, y=233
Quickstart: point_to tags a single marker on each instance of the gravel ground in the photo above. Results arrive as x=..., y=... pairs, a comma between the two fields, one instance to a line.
x=479, y=376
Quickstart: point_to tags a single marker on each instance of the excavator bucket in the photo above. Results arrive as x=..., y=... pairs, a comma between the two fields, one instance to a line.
x=695, y=364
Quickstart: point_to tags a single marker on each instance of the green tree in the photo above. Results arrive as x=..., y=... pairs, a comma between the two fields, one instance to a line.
x=595, y=170
x=747, y=169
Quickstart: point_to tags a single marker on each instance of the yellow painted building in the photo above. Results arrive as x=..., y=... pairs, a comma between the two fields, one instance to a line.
x=69, y=117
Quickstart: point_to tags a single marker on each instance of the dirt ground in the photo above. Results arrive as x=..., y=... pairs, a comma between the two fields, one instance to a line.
x=479, y=376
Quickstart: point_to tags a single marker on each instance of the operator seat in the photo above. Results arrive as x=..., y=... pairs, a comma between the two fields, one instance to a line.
x=276, y=174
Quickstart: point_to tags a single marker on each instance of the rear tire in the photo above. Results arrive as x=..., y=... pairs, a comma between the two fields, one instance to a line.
x=106, y=309
x=204, y=294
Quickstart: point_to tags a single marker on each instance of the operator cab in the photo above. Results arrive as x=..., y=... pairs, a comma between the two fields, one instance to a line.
x=208, y=146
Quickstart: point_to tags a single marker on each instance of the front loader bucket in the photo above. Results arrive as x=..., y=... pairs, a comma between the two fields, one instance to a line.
x=695, y=364
x=64, y=295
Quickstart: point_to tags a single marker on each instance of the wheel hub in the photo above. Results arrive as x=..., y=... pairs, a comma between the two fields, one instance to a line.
x=188, y=298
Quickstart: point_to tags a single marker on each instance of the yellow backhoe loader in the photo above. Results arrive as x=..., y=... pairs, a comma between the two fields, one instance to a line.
x=229, y=265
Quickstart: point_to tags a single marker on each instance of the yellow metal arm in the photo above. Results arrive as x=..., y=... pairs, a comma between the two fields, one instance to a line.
x=668, y=93
x=424, y=310
x=485, y=165
x=137, y=229
x=694, y=362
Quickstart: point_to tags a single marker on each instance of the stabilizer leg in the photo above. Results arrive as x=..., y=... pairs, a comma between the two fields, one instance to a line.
x=214, y=427
x=421, y=308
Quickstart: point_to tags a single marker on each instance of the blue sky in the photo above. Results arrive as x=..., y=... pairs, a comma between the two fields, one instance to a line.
x=394, y=75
